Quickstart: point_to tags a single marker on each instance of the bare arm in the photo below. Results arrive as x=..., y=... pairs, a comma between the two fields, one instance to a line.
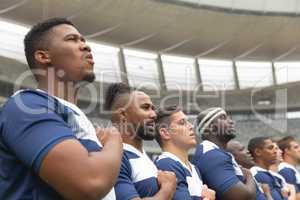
x=242, y=191
x=167, y=183
x=77, y=174
x=267, y=192
x=297, y=196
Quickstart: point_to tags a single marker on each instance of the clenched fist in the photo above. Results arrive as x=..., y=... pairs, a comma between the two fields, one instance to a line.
x=208, y=194
x=106, y=134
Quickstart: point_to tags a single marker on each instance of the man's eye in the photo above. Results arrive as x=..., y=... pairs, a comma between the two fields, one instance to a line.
x=146, y=107
x=183, y=122
x=72, y=38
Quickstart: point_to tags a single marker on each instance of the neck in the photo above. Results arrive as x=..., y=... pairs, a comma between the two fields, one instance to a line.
x=262, y=164
x=181, y=153
x=248, y=166
x=62, y=89
x=137, y=143
x=274, y=168
x=128, y=133
x=220, y=143
x=290, y=161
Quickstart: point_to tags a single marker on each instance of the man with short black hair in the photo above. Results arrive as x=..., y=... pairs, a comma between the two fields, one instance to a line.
x=49, y=148
x=218, y=168
x=264, y=153
x=244, y=158
x=133, y=112
x=176, y=137
x=240, y=153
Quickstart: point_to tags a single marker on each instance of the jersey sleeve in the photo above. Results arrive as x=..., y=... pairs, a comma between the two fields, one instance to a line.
x=217, y=171
x=289, y=176
x=31, y=128
x=182, y=192
x=124, y=188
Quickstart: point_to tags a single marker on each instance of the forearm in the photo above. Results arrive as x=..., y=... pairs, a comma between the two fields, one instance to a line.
x=292, y=197
x=77, y=174
x=105, y=165
x=268, y=196
x=162, y=194
x=250, y=186
x=298, y=196
x=292, y=192
x=240, y=191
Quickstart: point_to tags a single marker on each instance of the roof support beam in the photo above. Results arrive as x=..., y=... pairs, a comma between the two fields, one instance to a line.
x=274, y=74
x=198, y=74
x=235, y=74
x=161, y=74
x=122, y=65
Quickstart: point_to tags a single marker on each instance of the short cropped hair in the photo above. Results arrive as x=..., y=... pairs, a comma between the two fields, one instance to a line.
x=163, y=119
x=284, y=143
x=256, y=143
x=113, y=92
x=36, y=38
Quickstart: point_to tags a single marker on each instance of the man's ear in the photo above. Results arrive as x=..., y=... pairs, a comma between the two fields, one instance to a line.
x=42, y=57
x=286, y=151
x=164, y=133
x=122, y=114
x=257, y=152
x=212, y=127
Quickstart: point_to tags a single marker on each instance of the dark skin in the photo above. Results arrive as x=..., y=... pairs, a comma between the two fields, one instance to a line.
x=266, y=156
x=243, y=158
x=240, y=153
x=62, y=168
x=129, y=113
x=221, y=132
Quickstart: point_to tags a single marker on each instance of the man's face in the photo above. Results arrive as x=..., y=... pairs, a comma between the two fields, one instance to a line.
x=278, y=153
x=181, y=131
x=294, y=151
x=268, y=152
x=224, y=127
x=70, y=55
x=140, y=116
x=241, y=154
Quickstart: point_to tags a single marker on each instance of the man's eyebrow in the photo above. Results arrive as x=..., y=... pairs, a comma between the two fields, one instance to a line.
x=76, y=35
x=185, y=119
x=71, y=34
x=146, y=104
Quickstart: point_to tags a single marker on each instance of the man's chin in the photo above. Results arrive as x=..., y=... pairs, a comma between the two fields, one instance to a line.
x=147, y=137
x=231, y=135
x=89, y=77
x=145, y=134
x=273, y=162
